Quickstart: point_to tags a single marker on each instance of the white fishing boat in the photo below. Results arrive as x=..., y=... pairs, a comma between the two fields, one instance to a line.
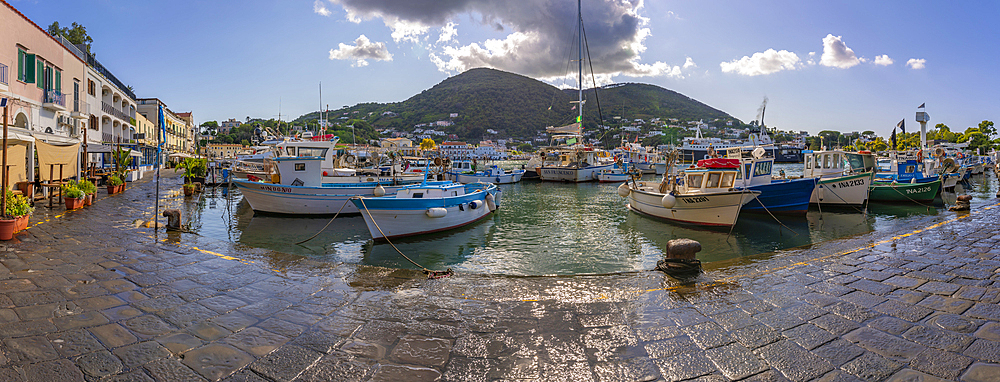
x=300, y=189
x=427, y=208
x=699, y=196
x=571, y=160
x=844, y=177
x=617, y=174
x=464, y=172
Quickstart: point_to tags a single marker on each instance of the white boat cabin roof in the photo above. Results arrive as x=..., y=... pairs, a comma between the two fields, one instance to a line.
x=426, y=191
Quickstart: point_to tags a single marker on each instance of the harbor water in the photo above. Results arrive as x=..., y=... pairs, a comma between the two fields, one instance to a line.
x=546, y=228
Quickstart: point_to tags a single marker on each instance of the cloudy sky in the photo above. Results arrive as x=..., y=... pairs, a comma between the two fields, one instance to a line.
x=848, y=66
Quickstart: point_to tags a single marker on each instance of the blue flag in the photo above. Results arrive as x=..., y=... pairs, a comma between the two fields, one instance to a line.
x=163, y=136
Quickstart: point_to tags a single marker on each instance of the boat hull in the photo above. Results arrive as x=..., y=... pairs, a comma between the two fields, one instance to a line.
x=904, y=192
x=611, y=178
x=574, y=175
x=293, y=200
x=844, y=190
x=719, y=210
x=789, y=196
x=396, y=218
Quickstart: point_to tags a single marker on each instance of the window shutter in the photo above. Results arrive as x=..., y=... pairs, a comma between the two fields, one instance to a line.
x=20, y=65
x=29, y=68
x=58, y=84
x=40, y=74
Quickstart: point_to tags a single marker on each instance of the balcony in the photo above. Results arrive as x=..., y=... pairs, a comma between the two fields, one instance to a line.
x=54, y=100
x=108, y=108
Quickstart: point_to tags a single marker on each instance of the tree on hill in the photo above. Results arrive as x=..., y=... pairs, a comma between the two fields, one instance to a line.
x=76, y=34
x=210, y=127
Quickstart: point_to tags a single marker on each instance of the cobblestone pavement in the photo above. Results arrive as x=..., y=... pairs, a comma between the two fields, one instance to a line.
x=87, y=296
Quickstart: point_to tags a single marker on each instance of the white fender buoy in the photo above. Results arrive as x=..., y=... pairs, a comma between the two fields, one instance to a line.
x=490, y=202
x=913, y=180
x=379, y=191
x=624, y=190
x=821, y=193
x=437, y=212
x=475, y=204
x=668, y=201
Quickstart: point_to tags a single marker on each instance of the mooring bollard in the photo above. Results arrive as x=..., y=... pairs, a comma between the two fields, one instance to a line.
x=962, y=203
x=173, y=219
x=680, y=257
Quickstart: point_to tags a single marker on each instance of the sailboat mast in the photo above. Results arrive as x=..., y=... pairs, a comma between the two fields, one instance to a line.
x=579, y=19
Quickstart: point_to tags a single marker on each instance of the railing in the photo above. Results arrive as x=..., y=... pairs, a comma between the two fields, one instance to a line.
x=111, y=109
x=107, y=74
x=107, y=137
x=3, y=74
x=54, y=96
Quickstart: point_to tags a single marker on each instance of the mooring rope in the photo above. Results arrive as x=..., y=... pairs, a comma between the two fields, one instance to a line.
x=772, y=215
x=428, y=272
x=327, y=223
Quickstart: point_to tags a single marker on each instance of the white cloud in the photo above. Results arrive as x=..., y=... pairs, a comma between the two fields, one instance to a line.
x=689, y=63
x=320, y=8
x=766, y=62
x=534, y=37
x=916, y=63
x=362, y=51
x=883, y=60
x=836, y=54
x=448, y=32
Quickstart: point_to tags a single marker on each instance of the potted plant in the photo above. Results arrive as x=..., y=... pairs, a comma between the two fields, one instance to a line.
x=123, y=159
x=89, y=189
x=189, y=189
x=195, y=169
x=16, y=216
x=73, y=195
x=115, y=184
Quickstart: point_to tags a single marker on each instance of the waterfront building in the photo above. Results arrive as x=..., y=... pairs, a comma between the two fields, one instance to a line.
x=39, y=88
x=179, y=127
x=221, y=150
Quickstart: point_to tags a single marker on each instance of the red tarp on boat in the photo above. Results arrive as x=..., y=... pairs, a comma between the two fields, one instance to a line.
x=719, y=163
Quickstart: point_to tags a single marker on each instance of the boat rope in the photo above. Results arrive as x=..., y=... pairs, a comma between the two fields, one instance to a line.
x=743, y=192
x=430, y=274
x=908, y=197
x=772, y=215
x=327, y=223
x=842, y=200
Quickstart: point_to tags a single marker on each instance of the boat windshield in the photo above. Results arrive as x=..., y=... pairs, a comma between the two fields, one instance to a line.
x=713, y=179
x=694, y=180
x=728, y=178
x=312, y=151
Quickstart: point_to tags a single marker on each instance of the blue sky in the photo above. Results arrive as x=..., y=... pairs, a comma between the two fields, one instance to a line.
x=848, y=66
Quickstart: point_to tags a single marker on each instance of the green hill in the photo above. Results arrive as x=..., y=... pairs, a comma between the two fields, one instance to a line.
x=518, y=106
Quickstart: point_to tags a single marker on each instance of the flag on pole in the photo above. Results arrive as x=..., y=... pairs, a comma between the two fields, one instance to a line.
x=892, y=138
x=921, y=105
x=163, y=135
x=901, y=125
x=573, y=108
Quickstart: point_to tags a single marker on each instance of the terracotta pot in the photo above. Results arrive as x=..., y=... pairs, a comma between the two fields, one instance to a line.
x=7, y=229
x=20, y=223
x=88, y=200
x=73, y=203
x=188, y=191
x=121, y=187
x=112, y=189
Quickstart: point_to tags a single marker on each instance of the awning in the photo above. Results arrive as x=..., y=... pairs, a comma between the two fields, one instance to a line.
x=91, y=149
x=53, y=139
x=180, y=155
x=15, y=137
x=135, y=153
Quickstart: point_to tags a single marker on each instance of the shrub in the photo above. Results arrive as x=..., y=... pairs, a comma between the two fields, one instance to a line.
x=18, y=205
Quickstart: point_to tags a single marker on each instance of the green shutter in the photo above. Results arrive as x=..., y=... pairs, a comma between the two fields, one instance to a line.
x=20, y=65
x=58, y=84
x=40, y=74
x=29, y=68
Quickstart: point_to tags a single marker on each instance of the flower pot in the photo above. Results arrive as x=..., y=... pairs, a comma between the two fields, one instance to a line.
x=188, y=191
x=121, y=187
x=7, y=229
x=112, y=189
x=73, y=203
x=20, y=223
x=89, y=199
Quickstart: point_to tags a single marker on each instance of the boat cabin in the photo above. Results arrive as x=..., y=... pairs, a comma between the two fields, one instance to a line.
x=755, y=165
x=704, y=180
x=836, y=163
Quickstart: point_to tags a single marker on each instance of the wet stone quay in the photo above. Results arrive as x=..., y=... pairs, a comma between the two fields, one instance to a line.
x=90, y=295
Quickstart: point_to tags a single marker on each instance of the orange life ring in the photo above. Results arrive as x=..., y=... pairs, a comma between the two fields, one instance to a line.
x=920, y=155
